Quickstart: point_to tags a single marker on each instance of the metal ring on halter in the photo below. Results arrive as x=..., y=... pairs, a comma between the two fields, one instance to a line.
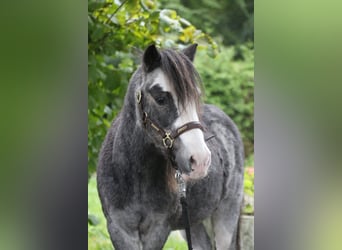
x=139, y=96
x=168, y=140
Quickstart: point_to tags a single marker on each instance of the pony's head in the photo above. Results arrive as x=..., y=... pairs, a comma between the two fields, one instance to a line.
x=168, y=100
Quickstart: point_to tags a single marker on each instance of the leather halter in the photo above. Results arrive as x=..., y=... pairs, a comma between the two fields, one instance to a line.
x=169, y=136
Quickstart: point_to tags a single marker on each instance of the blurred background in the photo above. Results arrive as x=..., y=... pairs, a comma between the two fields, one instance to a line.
x=44, y=154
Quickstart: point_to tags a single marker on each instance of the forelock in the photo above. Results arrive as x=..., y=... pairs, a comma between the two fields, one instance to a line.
x=183, y=76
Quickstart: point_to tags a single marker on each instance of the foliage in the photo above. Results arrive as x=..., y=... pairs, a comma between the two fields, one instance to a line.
x=229, y=84
x=232, y=20
x=249, y=181
x=249, y=161
x=117, y=31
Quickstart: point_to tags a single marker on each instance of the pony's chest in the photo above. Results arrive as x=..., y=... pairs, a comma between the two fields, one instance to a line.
x=152, y=199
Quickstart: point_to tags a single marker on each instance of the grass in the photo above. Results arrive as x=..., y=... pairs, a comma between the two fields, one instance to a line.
x=98, y=237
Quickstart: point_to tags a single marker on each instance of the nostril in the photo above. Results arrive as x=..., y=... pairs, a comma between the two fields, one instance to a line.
x=192, y=160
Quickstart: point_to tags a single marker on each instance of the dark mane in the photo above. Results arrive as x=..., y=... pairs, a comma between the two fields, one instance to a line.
x=182, y=73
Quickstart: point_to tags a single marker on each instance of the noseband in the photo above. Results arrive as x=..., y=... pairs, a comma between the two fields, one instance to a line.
x=168, y=136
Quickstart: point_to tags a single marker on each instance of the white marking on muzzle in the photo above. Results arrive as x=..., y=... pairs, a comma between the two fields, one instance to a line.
x=197, y=150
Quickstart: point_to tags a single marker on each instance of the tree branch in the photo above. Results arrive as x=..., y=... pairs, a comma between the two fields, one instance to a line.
x=111, y=16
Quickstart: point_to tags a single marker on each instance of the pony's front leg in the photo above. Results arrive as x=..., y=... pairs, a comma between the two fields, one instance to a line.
x=155, y=236
x=122, y=222
x=225, y=224
x=122, y=239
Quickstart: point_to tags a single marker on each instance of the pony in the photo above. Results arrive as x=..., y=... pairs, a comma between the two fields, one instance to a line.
x=164, y=128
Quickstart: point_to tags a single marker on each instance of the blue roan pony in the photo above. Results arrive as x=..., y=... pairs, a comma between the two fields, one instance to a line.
x=164, y=129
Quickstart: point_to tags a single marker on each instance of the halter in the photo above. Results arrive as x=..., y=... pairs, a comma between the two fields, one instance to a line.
x=168, y=136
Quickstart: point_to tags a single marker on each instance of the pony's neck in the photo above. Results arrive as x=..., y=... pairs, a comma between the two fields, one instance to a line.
x=150, y=162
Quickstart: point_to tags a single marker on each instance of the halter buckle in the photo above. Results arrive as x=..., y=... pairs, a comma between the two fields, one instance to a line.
x=168, y=140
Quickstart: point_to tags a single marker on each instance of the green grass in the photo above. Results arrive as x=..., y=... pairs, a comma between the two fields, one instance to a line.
x=98, y=237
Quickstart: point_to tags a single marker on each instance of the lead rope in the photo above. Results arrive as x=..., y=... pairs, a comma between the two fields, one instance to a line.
x=185, y=214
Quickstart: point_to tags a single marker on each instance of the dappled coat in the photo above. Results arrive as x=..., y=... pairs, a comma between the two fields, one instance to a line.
x=135, y=173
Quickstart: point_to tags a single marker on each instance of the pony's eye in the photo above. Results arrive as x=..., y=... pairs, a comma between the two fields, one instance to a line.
x=161, y=100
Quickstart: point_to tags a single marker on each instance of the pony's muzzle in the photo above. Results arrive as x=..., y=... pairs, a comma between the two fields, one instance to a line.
x=197, y=165
x=200, y=161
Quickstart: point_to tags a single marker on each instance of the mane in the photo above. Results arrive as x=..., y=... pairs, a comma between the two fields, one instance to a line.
x=183, y=75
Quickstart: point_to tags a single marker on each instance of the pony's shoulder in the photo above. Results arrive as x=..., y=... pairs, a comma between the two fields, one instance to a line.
x=213, y=118
x=212, y=113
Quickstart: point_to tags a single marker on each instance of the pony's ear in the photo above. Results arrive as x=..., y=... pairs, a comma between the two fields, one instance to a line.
x=190, y=51
x=151, y=58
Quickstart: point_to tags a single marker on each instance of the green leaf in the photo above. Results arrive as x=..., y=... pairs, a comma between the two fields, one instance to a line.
x=93, y=220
